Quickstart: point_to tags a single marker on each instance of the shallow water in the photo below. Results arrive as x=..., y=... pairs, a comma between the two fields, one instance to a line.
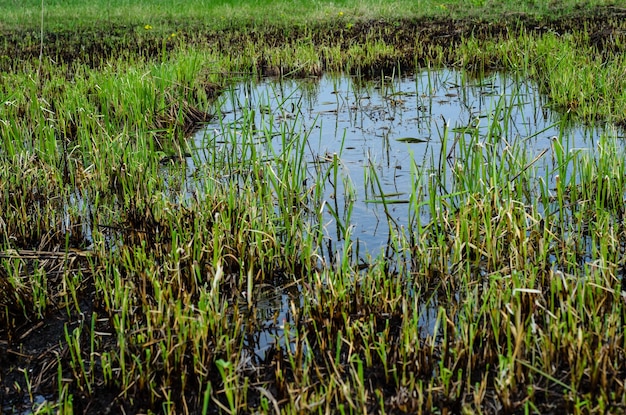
x=388, y=135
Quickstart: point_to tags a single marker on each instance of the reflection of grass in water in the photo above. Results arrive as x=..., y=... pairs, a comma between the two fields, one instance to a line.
x=525, y=266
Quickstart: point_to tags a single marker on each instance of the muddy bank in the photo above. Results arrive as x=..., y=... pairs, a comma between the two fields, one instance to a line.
x=603, y=28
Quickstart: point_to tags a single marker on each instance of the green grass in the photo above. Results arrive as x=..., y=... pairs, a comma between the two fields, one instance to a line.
x=144, y=270
x=163, y=15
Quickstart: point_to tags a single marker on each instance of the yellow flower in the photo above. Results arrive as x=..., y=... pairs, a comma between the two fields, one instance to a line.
x=147, y=27
x=340, y=14
x=173, y=35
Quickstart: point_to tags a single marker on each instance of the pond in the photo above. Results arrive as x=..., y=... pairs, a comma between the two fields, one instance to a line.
x=388, y=136
x=383, y=141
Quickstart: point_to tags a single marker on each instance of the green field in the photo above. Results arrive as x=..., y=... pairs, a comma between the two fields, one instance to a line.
x=123, y=291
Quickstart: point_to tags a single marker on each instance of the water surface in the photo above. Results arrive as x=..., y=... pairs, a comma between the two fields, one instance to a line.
x=388, y=135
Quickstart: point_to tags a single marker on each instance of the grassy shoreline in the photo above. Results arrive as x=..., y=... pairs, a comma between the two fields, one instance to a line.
x=120, y=289
x=341, y=41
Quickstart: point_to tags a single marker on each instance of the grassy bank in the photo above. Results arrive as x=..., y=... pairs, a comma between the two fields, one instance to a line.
x=75, y=13
x=574, y=50
x=135, y=269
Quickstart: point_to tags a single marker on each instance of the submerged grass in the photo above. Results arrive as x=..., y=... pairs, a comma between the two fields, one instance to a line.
x=131, y=262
